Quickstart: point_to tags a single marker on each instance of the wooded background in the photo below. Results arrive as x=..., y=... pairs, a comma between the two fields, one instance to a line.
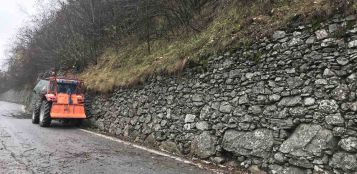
x=74, y=35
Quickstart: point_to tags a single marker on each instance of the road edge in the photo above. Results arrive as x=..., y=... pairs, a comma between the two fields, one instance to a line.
x=176, y=158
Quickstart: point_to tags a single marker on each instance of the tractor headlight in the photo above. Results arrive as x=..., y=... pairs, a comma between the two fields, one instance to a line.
x=80, y=99
x=51, y=97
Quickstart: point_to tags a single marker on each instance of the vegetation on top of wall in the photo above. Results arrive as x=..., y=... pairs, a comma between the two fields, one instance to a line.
x=235, y=24
x=119, y=43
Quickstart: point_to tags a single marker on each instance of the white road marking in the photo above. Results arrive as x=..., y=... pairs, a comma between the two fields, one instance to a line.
x=151, y=151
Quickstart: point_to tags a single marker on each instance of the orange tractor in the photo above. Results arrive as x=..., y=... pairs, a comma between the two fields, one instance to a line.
x=58, y=98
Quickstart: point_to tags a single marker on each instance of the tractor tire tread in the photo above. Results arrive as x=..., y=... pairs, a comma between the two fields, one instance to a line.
x=77, y=122
x=87, y=106
x=46, y=106
x=36, y=112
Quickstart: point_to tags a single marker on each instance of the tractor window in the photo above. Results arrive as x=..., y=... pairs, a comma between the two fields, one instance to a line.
x=67, y=88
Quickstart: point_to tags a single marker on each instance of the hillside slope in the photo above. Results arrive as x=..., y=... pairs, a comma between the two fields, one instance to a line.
x=119, y=43
x=234, y=24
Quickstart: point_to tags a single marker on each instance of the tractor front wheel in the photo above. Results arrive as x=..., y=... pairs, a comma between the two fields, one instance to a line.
x=45, y=117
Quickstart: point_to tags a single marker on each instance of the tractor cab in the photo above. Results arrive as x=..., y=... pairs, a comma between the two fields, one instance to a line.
x=65, y=86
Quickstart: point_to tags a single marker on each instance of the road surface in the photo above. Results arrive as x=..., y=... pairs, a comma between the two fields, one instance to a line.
x=29, y=149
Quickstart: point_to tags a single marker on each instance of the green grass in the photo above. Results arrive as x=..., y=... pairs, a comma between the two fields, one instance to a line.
x=236, y=25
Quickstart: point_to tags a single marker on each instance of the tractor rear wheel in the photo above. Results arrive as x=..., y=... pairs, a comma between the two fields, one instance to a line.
x=36, y=112
x=45, y=117
x=87, y=105
x=77, y=122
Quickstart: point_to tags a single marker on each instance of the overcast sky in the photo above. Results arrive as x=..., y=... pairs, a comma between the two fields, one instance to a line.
x=13, y=15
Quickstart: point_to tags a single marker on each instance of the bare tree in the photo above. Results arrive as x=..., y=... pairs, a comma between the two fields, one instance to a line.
x=73, y=33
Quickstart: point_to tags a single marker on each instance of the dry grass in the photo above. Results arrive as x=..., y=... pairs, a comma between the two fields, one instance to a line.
x=133, y=65
x=234, y=25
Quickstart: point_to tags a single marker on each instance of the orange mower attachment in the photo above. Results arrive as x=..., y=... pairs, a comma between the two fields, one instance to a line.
x=63, y=109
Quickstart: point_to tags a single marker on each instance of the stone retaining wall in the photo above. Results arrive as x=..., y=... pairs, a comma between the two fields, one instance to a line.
x=17, y=96
x=285, y=104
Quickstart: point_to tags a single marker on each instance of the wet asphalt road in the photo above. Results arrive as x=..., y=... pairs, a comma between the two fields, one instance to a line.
x=29, y=149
